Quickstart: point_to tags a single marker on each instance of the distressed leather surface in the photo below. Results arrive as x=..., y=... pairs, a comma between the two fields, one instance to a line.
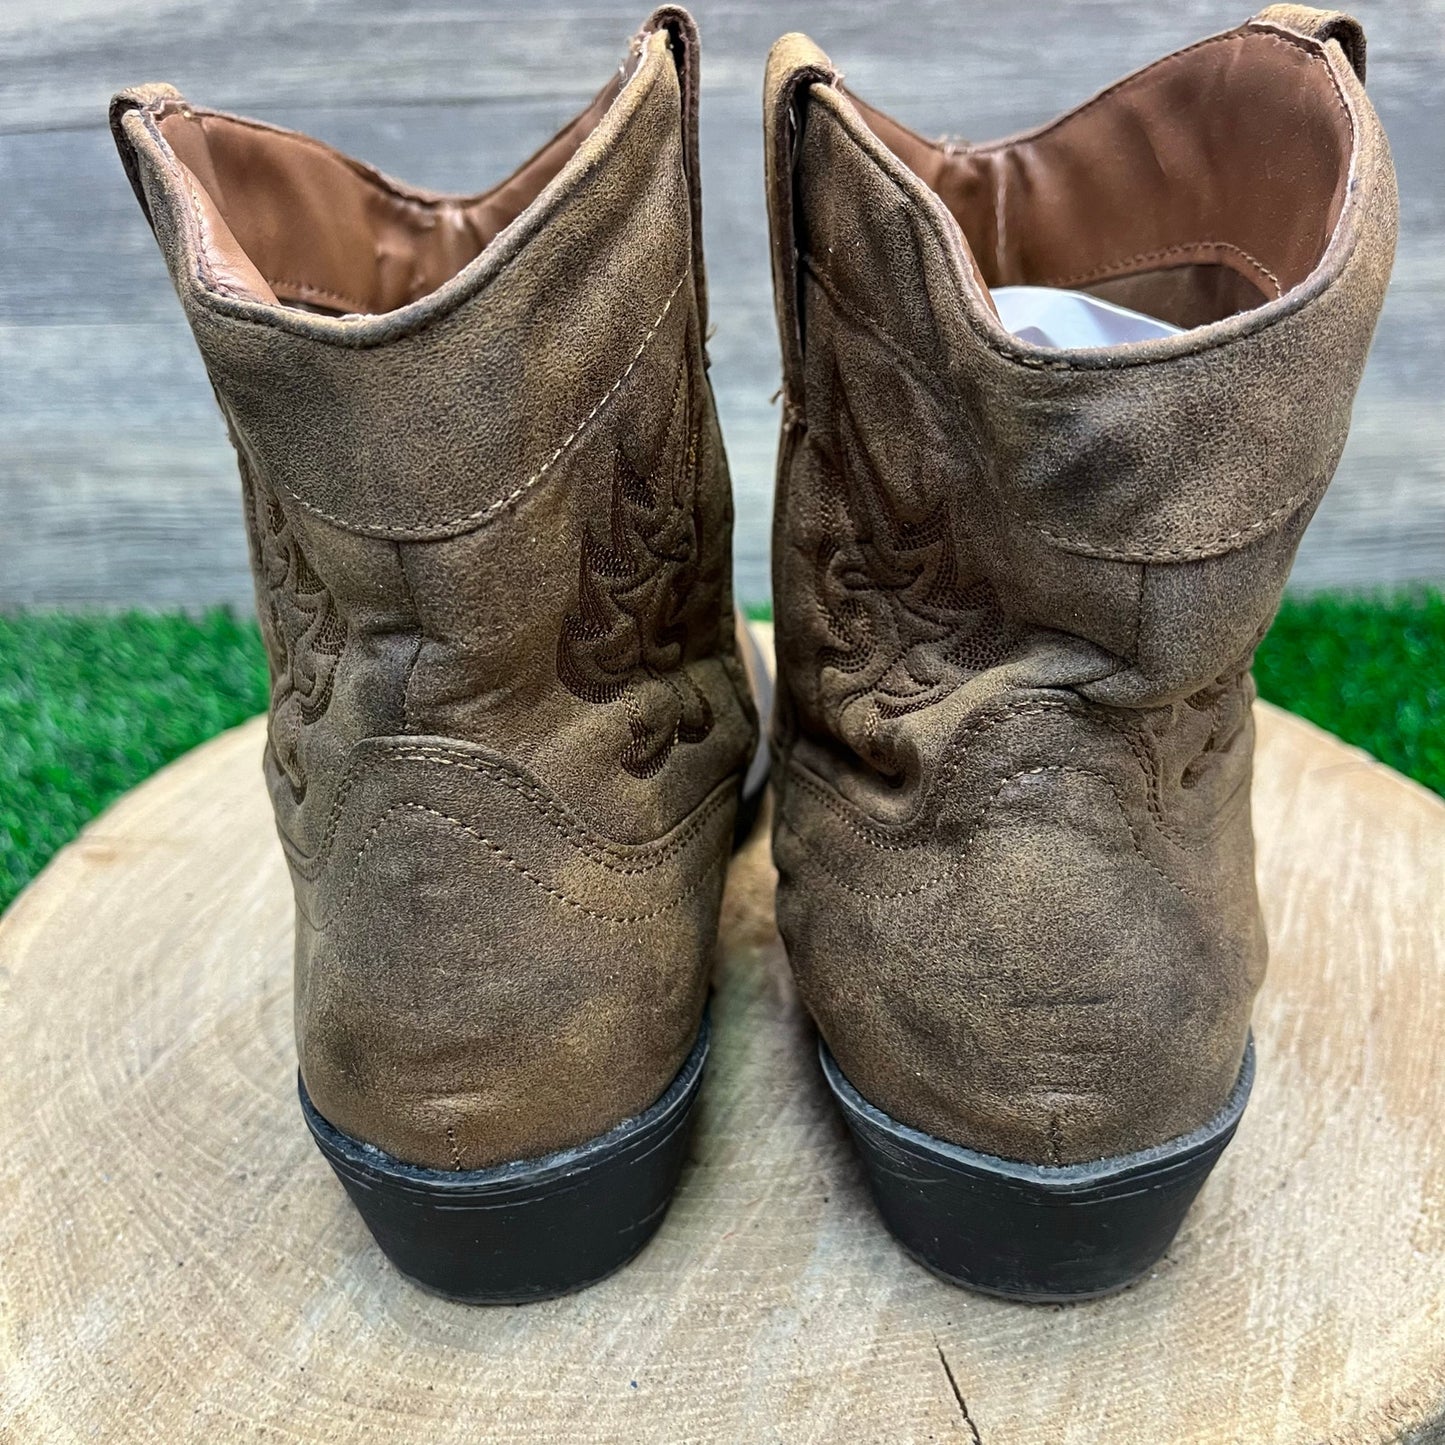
x=1018, y=592
x=491, y=536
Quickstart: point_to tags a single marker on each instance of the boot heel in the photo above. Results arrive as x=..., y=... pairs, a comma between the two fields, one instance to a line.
x=1045, y=1234
x=532, y=1228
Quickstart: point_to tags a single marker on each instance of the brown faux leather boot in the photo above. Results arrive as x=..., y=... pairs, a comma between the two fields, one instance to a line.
x=490, y=524
x=1018, y=590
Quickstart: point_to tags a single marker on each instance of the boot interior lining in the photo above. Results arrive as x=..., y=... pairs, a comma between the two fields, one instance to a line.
x=1200, y=187
x=287, y=220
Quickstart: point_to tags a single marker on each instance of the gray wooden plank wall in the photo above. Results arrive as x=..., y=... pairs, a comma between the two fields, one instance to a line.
x=116, y=483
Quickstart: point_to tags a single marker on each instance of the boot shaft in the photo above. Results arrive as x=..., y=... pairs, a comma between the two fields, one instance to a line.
x=484, y=486
x=1144, y=505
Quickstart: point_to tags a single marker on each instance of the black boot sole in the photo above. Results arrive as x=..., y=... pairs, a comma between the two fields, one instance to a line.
x=1039, y=1233
x=527, y=1230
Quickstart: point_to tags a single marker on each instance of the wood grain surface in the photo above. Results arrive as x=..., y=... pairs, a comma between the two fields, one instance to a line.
x=180, y=1264
x=116, y=483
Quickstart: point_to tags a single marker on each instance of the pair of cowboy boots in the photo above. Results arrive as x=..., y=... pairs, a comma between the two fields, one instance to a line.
x=513, y=729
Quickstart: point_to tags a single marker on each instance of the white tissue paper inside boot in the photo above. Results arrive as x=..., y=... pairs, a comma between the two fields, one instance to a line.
x=1048, y=316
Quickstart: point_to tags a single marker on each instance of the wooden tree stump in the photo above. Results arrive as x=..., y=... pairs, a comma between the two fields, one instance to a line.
x=179, y=1263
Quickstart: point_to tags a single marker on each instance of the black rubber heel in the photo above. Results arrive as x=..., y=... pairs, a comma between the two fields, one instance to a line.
x=1046, y=1234
x=531, y=1229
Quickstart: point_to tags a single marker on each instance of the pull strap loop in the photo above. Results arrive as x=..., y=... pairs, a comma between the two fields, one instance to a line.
x=795, y=65
x=137, y=98
x=1321, y=25
x=683, y=38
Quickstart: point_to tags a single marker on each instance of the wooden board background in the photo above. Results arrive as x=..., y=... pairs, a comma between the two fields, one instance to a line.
x=180, y=1265
x=116, y=483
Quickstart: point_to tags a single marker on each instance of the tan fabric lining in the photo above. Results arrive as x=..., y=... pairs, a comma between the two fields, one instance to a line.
x=1234, y=153
x=285, y=219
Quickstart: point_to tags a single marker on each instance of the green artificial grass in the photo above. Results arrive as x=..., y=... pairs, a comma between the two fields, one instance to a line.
x=91, y=705
x=1371, y=669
